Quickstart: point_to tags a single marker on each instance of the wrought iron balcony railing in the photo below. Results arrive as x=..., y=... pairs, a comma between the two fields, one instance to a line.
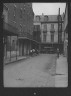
x=25, y=34
x=29, y=36
x=10, y=30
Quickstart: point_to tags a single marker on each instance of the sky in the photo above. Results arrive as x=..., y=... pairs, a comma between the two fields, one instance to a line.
x=48, y=8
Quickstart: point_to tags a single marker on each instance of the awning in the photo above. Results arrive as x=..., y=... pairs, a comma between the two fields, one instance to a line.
x=9, y=30
x=25, y=38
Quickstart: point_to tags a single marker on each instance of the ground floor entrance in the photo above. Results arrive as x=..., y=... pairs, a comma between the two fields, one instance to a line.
x=47, y=47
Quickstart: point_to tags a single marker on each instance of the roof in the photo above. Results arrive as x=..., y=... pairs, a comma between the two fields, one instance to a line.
x=50, y=18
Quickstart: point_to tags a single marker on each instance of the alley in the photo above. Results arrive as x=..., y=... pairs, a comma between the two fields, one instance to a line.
x=37, y=71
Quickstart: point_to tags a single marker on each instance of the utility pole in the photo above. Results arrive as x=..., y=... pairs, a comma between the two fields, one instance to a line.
x=58, y=31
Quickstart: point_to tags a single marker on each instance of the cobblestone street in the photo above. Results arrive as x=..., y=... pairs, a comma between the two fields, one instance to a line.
x=38, y=71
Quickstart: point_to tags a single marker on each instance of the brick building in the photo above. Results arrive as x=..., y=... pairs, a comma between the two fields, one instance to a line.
x=8, y=30
x=20, y=16
x=49, y=30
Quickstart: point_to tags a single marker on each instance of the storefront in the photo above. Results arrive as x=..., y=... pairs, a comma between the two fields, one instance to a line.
x=8, y=31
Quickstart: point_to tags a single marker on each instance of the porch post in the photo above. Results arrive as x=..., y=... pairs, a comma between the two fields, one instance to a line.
x=10, y=48
x=16, y=47
x=6, y=46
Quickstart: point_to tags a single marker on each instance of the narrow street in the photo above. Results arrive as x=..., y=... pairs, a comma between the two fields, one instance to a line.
x=37, y=71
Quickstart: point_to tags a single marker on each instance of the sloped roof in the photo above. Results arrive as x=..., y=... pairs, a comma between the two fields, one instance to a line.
x=51, y=18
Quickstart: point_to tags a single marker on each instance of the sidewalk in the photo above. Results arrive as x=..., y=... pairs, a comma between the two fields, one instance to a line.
x=61, y=78
x=13, y=59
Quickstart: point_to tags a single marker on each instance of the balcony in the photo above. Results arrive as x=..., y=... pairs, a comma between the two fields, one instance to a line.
x=9, y=29
x=25, y=35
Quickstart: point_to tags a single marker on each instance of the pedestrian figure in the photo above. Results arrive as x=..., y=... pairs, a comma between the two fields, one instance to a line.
x=58, y=52
x=31, y=52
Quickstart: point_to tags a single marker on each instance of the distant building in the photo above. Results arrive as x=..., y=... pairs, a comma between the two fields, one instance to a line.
x=36, y=35
x=49, y=30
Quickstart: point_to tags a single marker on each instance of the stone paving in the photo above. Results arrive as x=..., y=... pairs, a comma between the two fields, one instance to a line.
x=13, y=57
x=38, y=71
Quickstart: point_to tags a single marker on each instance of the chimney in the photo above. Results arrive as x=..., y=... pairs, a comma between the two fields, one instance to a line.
x=42, y=14
x=59, y=11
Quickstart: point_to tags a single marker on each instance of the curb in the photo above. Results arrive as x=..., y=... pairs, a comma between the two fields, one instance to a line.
x=16, y=61
x=19, y=60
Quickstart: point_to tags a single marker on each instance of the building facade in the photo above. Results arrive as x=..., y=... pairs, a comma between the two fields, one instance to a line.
x=19, y=16
x=49, y=30
x=8, y=30
x=65, y=24
x=37, y=35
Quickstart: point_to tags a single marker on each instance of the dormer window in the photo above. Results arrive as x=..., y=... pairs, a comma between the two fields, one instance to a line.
x=38, y=18
x=45, y=18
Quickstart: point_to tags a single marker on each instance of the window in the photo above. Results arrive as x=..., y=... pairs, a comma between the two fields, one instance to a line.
x=5, y=7
x=60, y=27
x=45, y=27
x=20, y=28
x=13, y=45
x=46, y=18
x=38, y=18
x=21, y=13
x=36, y=27
x=14, y=12
x=44, y=36
x=5, y=13
x=52, y=37
x=52, y=26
